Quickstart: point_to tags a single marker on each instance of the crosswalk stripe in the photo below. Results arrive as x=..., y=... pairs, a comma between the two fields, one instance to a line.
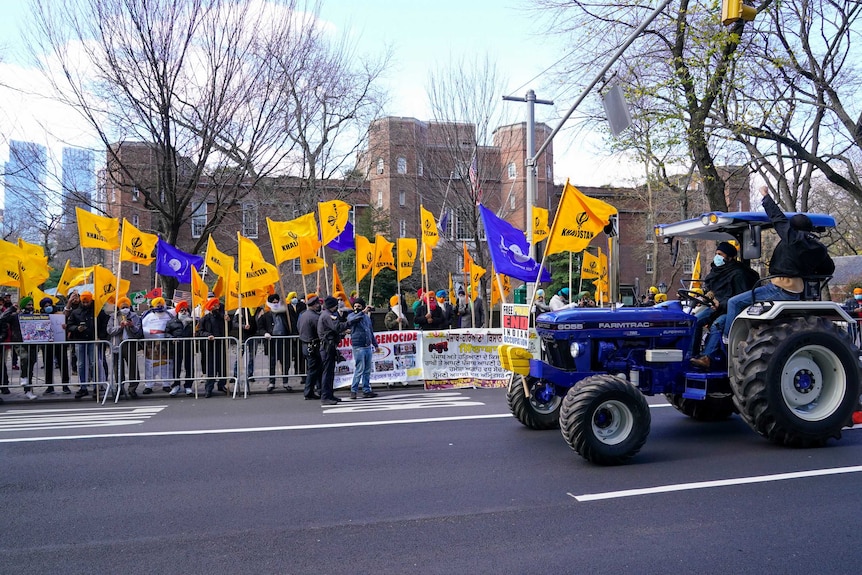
x=42, y=419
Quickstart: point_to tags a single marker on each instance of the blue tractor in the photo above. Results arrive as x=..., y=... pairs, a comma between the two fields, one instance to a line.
x=792, y=372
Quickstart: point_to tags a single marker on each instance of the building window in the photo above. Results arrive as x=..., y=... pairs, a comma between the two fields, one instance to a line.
x=401, y=165
x=402, y=198
x=420, y=168
x=136, y=268
x=380, y=199
x=512, y=171
x=548, y=174
x=512, y=202
x=402, y=229
x=249, y=220
x=649, y=268
x=297, y=267
x=379, y=165
x=463, y=228
x=136, y=220
x=199, y=220
x=136, y=194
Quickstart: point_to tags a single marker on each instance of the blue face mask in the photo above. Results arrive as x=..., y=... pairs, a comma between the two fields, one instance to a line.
x=718, y=260
x=858, y=297
x=48, y=309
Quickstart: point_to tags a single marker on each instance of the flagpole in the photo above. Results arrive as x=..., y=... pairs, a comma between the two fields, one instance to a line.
x=570, y=277
x=325, y=269
x=239, y=358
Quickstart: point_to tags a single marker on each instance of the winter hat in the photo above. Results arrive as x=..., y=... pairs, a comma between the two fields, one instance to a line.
x=182, y=305
x=359, y=301
x=393, y=301
x=212, y=303
x=727, y=248
x=312, y=298
x=25, y=301
x=125, y=302
x=330, y=302
x=802, y=223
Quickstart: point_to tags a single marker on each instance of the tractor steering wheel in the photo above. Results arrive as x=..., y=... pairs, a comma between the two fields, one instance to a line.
x=696, y=296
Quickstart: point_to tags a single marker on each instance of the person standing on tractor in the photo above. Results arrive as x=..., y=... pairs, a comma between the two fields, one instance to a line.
x=799, y=254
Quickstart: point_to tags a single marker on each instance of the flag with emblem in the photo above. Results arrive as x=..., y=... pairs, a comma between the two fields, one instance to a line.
x=578, y=220
x=73, y=276
x=137, y=246
x=254, y=271
x=95, y=231
x=430, y=233
x=540, y=224
x=216, y=260
x=382, y=255
x=334, y=215
x=406, y=250
x=365, y=251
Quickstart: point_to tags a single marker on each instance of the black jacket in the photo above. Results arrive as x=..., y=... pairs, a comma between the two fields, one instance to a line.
x=728, y=280
x=798, y=254
x=78, y=316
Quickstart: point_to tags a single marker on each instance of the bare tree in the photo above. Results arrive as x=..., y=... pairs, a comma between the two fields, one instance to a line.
x=463, y=166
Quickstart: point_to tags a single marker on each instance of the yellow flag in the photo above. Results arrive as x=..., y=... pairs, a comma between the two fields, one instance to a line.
x=254, y=271
x=365, y=251
x=105, y=286
x=32, y=249
x=382, y=255
x=38, y=295
x=468, y=260
x=695, y=274
x=430, y=236
x=284, y=236
x=251, y=297
x=578, y=220
x=216, y=260
x=95, y=231
x=219, y=288
x=406, y=248
x=73, y=277
x=337, y=286
x=34, y=268
x=476, y=273
x=199, y=290
x=495, y=288
x=10, y=264
x=333, y=217
x=590, y=268
x=309, y=260
x=137, y=246
x=540, y=224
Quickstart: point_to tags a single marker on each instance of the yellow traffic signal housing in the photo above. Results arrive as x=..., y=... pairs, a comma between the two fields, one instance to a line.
x=733, y=10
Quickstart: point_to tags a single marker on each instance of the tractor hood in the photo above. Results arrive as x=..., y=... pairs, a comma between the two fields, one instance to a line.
x=662, y=317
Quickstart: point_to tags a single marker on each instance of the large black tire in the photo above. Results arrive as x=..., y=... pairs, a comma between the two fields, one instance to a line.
x=712, y=408
x=797, y=381
x=531, y=411
x=605, y=419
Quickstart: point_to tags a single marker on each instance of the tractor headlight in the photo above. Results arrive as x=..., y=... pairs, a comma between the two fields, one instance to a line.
x=577, y=349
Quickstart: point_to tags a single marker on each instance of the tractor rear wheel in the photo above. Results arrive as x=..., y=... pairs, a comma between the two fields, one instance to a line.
x=605, y=419
x=713, y=408
x=533, y=411
x=797, y=381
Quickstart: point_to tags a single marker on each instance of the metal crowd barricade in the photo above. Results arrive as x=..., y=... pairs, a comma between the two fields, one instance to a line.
x=49, y=364
x=268, y=360
x=161, y=363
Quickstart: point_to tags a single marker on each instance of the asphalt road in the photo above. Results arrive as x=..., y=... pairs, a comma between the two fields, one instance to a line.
x=409, y=482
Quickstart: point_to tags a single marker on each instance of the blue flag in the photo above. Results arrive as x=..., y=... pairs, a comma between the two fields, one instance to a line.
x=174, y=262
x=509, y=249
x=343, y=241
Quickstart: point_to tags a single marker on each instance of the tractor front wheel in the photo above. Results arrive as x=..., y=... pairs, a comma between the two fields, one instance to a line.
x=541, y=410
x=605, y=419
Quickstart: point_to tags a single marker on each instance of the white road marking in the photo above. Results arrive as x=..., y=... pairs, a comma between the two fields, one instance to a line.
x=395, y=402
x=41, y=419
x=717, y=483
x=261, y=429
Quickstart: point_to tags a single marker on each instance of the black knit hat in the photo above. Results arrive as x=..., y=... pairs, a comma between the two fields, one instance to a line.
x=359, y=301
x=802, y=223
x=726, y=248
x=330, y=302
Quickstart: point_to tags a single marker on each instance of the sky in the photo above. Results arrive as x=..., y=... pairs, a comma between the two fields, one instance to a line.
x=423, y=36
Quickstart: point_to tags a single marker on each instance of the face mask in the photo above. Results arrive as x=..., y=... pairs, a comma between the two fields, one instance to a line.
x=125, y=310
x=184, y=315
x=159, y=309
x=276, y=306
x=718, y=260
x=858, y=297
x=48, y=309
x=294, y=301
